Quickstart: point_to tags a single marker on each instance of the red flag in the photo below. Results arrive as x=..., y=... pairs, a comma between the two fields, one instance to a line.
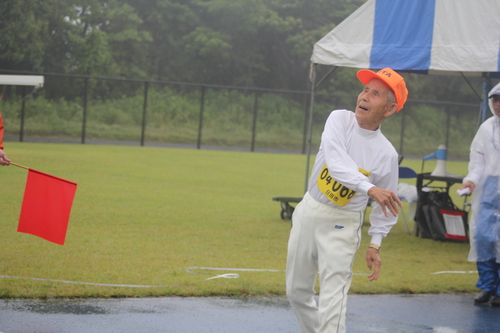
x=46, y=206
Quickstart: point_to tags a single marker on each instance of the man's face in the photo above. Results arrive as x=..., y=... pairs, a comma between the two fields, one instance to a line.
x=372, y=107
x=495, y=101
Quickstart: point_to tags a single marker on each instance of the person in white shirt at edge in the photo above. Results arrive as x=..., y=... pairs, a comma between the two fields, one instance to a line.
x=355, y=162
x=484, y=181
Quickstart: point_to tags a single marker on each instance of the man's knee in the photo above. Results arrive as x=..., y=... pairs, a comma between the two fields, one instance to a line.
x=299, y=295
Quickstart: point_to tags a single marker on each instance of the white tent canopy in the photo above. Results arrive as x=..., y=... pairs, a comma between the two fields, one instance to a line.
x=424, y=36
x=22, y=80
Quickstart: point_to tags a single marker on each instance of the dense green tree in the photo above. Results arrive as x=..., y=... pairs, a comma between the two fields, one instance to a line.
x=261, y=43
x=264, y=43
x=249, y=37
x=23, y=32
x=106, y=40
x=167, y=22
x=127, y=43
x=316, y=19
x=56, y=38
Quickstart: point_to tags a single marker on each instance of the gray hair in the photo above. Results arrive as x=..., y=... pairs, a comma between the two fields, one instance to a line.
x=391, y=98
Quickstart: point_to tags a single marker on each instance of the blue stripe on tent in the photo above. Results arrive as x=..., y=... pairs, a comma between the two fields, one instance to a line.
x=498, y=65
x=404, y=26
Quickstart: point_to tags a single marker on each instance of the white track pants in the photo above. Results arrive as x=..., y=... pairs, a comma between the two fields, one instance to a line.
x=323, y=239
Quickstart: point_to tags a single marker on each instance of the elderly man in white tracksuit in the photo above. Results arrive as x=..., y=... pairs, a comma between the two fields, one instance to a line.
x=355, y=162
x=484, y=181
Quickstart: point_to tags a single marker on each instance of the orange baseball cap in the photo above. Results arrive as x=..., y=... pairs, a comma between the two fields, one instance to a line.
x=391, y=78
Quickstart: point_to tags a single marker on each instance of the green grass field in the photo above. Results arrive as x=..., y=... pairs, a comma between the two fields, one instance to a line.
x=143, y=217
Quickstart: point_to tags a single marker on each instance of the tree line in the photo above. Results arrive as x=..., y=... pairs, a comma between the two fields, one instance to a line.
x=246, y=43
x=260, y=43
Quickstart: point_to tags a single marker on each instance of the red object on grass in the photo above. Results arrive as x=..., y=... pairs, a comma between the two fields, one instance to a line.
x=46, y=206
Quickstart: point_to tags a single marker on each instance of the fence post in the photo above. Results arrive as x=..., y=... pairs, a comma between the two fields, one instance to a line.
x=84, y=121
x=21, y=130
x=144, y=108
x=304, y=133
x=254, y=124
x=447, y=139
x=309, y=125
x=200, y=122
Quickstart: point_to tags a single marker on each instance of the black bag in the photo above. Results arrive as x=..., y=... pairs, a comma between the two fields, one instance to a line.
x=423, y=229
x=440, y=219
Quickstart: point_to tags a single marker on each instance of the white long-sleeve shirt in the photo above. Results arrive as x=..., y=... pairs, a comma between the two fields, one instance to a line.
x=350, y=161
x=484, y=162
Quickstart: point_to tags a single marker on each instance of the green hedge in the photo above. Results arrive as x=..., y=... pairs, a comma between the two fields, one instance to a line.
x=173, y=116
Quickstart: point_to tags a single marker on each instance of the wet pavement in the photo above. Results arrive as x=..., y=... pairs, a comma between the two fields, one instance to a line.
x=365, y=313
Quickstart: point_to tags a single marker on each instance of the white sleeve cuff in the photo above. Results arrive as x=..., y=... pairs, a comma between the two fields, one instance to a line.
x=365, y=187
x=377, y=239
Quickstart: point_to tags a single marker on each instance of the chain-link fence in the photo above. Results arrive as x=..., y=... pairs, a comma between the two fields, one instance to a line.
x=90, y=109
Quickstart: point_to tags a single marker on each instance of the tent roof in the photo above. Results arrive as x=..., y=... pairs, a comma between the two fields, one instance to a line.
x=23, y=80
x=424, y=36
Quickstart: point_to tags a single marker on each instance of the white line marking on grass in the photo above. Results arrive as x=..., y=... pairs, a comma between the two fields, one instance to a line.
x=189, y=269
x=454, y=272
x=88, y=283
x=227, y=276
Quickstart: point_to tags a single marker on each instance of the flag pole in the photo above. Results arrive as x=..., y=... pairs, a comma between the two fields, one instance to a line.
x=19, y=165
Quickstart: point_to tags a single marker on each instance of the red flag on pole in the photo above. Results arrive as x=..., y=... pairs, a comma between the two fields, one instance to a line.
x=46, y=206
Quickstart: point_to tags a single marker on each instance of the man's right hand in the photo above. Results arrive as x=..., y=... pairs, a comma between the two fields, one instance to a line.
x=373, y=261
x=470, y=185
x=4, y=160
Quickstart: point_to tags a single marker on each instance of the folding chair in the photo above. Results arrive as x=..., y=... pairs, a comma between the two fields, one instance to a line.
x=411, y=198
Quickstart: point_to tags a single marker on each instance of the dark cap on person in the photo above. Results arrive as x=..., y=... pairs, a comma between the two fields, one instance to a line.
x=391, y=78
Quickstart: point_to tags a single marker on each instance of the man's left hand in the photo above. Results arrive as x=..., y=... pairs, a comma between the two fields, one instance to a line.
x=386, y=199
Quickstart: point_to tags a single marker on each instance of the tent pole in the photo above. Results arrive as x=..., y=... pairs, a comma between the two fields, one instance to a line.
x=484, y=105
x=312, y=76
x=324, y=77
x=471, y=86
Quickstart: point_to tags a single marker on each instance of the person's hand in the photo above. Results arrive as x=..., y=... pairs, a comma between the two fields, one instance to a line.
x=373, y=260
x=4, y=160
x=386, y=199
x=470, y=185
